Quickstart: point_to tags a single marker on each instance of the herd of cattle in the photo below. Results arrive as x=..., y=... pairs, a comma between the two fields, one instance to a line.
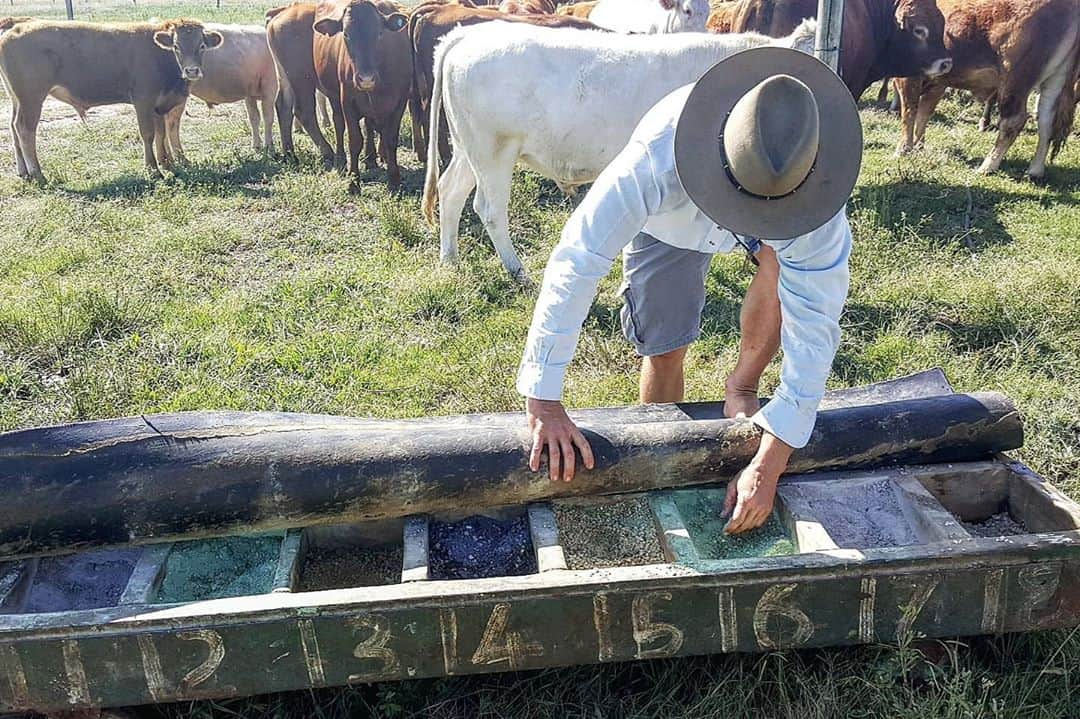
x=558, y=88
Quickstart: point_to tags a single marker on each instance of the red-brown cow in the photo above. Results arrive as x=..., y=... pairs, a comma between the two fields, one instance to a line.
x=364, y=67
x=527, y=7
x=881, y=38
x=291, y=40
x=1003, y=50
x=89, y=64
x=427, y=25
x=721, y=18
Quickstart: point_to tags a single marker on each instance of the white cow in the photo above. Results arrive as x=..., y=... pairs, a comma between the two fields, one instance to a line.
x=564, y=102
x=241, y=69
x=651, y=16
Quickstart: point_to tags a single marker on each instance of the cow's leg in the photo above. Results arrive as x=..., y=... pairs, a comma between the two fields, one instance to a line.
x=161, y=145
x=908, y=89
x=356, y=142
x=370, y=152
x=389, y=136
x=172, y=131
x=492, y=203
x=455, y=184
x=252, y=107
x=1014, y=116
x=305, y=110
x=927, y=104
x=1049, y=93
x=285, y=108
x=419, y=127
x=20, y=162
x=144, y=114
x=444, y=139
x=24, y=122
x=324, y=116
x=267, y=103
x=986, y=122
x=338, y=114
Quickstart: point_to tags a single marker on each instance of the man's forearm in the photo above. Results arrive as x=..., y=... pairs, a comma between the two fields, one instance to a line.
x=772, y=456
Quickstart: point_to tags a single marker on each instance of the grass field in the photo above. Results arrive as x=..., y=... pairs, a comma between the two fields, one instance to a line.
x=245, y=283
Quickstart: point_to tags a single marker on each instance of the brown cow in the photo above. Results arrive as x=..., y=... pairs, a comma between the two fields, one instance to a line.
x=527, y=7
x=147, y=65
x=364, y=67
x=578, y=9
x=427, y=25
x=881, y=38
x=1003, y=50
x=291, y=40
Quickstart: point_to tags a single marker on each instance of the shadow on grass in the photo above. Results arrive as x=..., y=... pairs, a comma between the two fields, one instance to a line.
x=947, y=214
x=249, y=177
x=864, y=323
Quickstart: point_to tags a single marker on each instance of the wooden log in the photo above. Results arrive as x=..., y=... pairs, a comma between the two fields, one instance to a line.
x=164, y=476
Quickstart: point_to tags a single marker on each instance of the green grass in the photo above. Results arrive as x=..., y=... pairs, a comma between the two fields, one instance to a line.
x=248, y=284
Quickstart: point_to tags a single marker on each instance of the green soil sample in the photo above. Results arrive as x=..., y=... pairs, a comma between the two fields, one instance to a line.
x=344, y=567
x=701, y=509
x=216, y=568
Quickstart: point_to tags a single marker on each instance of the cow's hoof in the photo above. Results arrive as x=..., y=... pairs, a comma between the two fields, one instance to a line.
x=987, y=168
x=1037, y=176
x=522, y=278
x=37, y=178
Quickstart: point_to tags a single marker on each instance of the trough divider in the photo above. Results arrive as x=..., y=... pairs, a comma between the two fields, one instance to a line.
x=545, y=538
x=414, y=554
x=13, y=598
x=927, y=516
x=800, y=521
x=674, y=537
x=146, y=577
x=287, y=574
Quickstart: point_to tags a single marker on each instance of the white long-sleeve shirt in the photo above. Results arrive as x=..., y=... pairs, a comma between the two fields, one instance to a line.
x=640, y=191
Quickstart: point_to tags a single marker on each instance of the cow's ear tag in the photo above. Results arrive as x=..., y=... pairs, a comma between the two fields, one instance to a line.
x=397, y=22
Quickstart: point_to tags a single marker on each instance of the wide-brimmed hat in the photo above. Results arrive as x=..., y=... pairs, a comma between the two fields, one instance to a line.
x=769, y=143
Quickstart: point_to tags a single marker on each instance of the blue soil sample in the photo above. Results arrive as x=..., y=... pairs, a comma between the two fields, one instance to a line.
x=89, y=580
x=216, y=568
x=702, y=511
x=480, y=546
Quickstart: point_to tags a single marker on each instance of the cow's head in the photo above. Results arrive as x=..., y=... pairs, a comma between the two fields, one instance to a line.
x=362, y=24
x=918, y=44
x=686, y=15
x=188, y=40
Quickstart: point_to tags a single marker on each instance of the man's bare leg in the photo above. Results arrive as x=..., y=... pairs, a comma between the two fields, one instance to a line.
x=662, y=377
x=759, y=325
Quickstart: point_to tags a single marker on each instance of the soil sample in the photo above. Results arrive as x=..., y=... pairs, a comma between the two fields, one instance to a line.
x=480, y=546
x=343, y=567
x=216, y=568
x=999, y=525
x=617, y=534
x=702, y=511
x=89, y=580
x=860, y=515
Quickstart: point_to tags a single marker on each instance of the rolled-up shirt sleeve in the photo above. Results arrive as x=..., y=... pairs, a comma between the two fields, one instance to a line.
x=813, y=286
x=611, y=214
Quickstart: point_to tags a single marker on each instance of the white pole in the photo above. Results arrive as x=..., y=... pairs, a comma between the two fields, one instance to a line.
x=830, y=18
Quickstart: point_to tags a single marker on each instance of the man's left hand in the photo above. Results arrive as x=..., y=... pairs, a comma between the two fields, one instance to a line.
x=750, y=496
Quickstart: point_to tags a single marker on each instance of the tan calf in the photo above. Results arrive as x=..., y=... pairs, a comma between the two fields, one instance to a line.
x=148, y=66
x=1003, y=50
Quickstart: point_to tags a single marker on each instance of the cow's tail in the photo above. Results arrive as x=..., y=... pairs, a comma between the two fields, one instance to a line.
x=431, y=177
x=1065, y=107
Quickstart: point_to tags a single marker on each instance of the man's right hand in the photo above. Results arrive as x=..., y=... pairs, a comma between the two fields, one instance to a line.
x=550, y=426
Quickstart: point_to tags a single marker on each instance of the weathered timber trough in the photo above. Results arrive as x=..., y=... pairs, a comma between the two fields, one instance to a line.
x=902, y=519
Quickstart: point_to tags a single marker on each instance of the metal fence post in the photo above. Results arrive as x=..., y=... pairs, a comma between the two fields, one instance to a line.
x=69, y=5
x=830, y=16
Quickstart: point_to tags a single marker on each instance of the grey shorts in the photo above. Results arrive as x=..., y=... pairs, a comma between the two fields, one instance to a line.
x=663, y=294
